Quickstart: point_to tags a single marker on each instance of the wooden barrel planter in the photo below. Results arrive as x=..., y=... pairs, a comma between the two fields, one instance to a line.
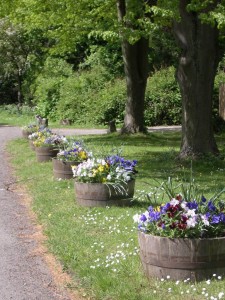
x=62, y=169
x=44, y=154
x=197, y=259
x=31, y=144
x=101, y=195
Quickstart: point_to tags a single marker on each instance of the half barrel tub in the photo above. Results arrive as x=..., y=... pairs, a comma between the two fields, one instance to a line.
x=44, y=154
x=101, y=194
x=63, y=169
x=182, y=258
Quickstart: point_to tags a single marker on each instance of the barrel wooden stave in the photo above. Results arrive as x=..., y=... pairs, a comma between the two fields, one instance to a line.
x=99, y=194
x=63, y=169
x=197, y=259
x=45, y=154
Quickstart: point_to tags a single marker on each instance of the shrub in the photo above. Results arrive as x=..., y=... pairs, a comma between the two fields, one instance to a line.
x=163, y=99
x=47, y=86
x=79, y=95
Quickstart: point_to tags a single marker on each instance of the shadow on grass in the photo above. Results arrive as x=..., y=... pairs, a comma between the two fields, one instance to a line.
x=5, y=124
x=157, y=155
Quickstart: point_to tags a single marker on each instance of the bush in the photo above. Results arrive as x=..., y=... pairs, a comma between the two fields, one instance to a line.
x=47, y=86
x=163, y=99
x=111, y=102
x=218, y=122
x=79, y=95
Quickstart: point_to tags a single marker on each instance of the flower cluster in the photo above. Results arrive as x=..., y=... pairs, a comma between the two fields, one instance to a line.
x=39, y=133
x=181, y=218
x=74, y=152
x=113, y=169
x=49, y=140
x=30, y=128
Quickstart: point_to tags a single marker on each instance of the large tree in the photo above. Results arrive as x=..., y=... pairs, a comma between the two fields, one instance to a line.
x=135, y=57
x=199, y=41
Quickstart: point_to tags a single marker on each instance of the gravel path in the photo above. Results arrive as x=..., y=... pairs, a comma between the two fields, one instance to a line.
x=24, y=274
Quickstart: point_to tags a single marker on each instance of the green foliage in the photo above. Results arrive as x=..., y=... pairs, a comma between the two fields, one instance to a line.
x=47, y=86
x=163, y=99
x=218, y=122
x=111, y=102
x=78, y=94
x=108, y=56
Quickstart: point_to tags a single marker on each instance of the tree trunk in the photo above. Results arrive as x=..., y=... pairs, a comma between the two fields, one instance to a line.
x=135, y=57
x=195, y=74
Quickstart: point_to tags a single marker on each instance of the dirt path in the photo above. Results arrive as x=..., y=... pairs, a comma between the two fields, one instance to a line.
x=24, y=273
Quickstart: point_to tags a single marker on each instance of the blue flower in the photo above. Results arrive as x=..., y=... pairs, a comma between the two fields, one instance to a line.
x=211, y=206
x=215, y=219
x=165, y=208
x=143, y=218
x=222, y=217
x=203, y=199
x=192, y=205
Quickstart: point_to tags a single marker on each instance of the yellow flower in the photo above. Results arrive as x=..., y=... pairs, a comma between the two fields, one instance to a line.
x=82, y=155
x=95, y=171
x=100, y=168
x=157, y=208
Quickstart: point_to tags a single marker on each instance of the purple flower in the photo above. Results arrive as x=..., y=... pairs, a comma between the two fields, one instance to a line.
x=211, y=206
x=165, y=208
x=222, y=217
x=127, y=165
x=215, y=219
x=143, y=218
x=192, y=205
x=203, y=199
x=154, y=216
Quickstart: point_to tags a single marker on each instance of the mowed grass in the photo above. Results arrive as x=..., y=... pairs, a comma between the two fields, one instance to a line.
x=13, y=117
x=98, y=246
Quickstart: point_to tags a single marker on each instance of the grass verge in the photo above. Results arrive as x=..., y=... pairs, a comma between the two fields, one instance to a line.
x=99, y=245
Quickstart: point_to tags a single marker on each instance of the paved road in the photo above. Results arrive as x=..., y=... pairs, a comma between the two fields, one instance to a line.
x=104, y=131
x=24, y=275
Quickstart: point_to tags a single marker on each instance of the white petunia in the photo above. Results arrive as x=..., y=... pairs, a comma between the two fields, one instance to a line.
x=136, y=218
x=191, y=222
x=174, y=202
x=191, y=213
x=205, y=220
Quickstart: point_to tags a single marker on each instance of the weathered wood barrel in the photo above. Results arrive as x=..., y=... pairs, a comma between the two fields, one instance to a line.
x=62, y=169
x=101, y=195
x=197, y=259
x=44, y=154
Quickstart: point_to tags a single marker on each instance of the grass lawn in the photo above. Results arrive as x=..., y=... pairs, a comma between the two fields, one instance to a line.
x=12, y=117
x=98, y=246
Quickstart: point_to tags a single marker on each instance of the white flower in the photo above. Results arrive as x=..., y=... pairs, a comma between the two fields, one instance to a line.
x=174, y=202
x=191, y=222
x=184, y=205
x=205, y=222
x=109, y=177
x=191, y=213
x=103, y=162
x=136, y=218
